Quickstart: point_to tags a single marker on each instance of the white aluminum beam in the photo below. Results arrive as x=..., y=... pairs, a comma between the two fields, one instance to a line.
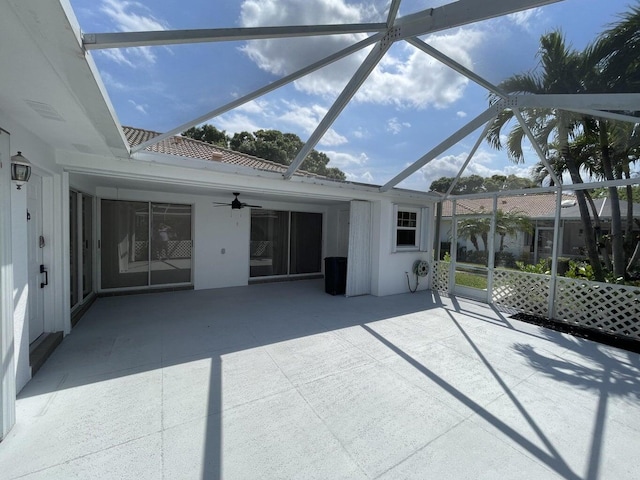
x=451, y=63
x=570, y=101
x=536, y=146
x=97, y=41
x=343, y=99
x=462, y=12
x=608, y=115
x=393, y=12
x=261, y=91
x=470, y=127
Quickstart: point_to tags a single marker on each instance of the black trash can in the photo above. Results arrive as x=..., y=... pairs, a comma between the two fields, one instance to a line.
x=335, y=275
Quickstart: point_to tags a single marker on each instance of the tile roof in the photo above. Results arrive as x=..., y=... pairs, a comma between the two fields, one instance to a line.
x=541, y=205
x=188, y=147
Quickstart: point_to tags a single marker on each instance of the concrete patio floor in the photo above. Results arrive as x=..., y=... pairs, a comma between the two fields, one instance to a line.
x=282, y=381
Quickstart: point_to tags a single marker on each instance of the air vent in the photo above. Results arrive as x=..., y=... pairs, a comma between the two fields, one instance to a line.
x=45, y=110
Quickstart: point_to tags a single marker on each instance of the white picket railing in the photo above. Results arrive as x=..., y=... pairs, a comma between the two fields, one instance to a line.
x=609, y=308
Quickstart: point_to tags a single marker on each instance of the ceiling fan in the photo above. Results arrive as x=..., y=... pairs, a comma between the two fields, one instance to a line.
x=235, y=203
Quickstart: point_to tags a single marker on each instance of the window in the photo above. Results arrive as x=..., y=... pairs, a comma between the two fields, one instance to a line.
x=409, y=234
x=406, y=228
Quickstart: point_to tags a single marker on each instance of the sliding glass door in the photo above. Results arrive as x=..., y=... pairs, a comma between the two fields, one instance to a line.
x=144, y=244
x=285, y=243
x=81, y=247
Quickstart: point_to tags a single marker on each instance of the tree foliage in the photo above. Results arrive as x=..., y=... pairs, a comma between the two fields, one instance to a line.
x=478, y=184
x=272, y=145
x=576, y=143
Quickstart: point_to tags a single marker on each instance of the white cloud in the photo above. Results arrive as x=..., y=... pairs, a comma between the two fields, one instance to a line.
x=307, y=118
x=361, y=133
x=405, y=77
x=140, y=108
x=365, y=177
x=395, y=127
x=346, y=160
x=236, y=123
x=286, y=116
x=130, y=16
x=461, y=114
x=526, y=19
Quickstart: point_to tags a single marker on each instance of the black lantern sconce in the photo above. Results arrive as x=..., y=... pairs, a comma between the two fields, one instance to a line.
x=20, y=170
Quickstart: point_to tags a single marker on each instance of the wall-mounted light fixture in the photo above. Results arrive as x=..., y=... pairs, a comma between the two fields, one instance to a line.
x=20, y=170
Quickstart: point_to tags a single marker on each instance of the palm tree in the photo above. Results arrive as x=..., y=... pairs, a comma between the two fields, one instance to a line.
x=511, y=223
x=561, y=70
x=613, y=66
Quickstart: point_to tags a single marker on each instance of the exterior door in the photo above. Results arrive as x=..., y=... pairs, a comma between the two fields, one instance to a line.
x=473, y=241
x=36, y=243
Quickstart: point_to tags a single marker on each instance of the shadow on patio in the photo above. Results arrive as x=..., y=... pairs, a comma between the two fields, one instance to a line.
x=284, y=381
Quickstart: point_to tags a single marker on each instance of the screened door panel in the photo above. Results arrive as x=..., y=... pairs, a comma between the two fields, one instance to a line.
x=87, y=245
x=285, y=243
x=73, y=246
x=269, y=243
x=306, y=242
x=170, y=243
x=124, y=252
x=138, y=251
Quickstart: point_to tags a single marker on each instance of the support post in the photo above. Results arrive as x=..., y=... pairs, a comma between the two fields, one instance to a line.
x=554, y=255
x=7, y=360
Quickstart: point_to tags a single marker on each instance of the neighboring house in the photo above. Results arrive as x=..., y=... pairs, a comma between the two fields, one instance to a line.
x=540, y=208
x=95, y=219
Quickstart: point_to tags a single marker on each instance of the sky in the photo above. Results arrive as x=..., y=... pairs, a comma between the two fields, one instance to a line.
x=408, y=105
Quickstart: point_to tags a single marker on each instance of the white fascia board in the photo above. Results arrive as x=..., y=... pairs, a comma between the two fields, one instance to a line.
x=194, y=163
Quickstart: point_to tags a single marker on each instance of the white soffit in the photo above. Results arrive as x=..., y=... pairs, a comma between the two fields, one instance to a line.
x=48, y=84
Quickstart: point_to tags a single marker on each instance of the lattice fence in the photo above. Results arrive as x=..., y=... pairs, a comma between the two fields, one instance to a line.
x=175, y=249
x=521, y=292
x=607, y=307
x=441, y=277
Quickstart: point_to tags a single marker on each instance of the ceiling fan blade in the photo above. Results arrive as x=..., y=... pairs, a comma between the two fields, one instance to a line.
x=252, y=206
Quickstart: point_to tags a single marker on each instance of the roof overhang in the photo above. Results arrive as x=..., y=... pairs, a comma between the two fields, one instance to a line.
x=49, y=85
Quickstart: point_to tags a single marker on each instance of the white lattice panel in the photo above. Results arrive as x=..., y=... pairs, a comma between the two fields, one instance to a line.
x=176, y=249
x=611, y=308
x=441, y=277
x=521, y=292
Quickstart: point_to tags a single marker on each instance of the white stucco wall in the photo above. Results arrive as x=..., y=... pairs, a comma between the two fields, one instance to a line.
x=389, y=277
x=221, y=235
x=42, y=158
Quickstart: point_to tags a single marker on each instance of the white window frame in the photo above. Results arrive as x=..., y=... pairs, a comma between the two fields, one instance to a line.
x=420, y=229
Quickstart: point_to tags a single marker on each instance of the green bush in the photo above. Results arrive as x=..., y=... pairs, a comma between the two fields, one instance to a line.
x=542, y=267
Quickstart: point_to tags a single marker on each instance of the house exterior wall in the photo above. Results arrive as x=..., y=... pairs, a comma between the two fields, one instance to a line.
x=220, y=235
x=43, y=160
x=390, y=268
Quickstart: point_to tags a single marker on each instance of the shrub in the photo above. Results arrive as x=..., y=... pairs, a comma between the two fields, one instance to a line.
x=542, y=267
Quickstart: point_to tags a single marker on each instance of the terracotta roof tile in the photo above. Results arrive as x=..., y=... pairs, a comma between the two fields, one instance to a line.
x=188, y=147
x=541, y=205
